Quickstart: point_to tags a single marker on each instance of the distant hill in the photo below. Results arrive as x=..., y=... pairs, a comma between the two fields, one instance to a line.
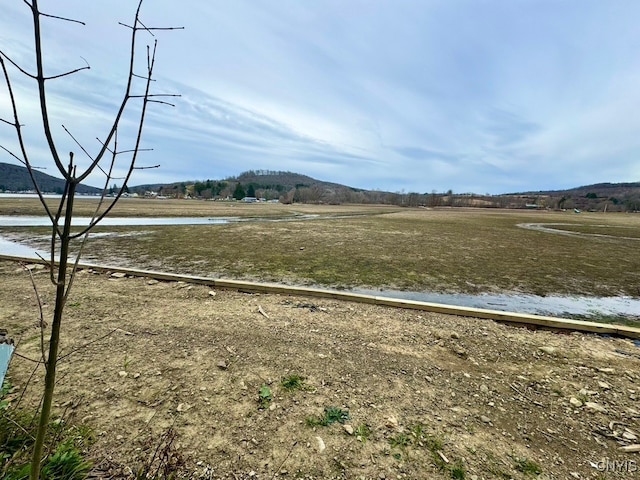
x=15, y=178
x=598, y=196
x=289, y=187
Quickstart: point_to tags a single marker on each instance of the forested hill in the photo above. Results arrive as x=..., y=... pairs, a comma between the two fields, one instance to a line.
x=15, y=178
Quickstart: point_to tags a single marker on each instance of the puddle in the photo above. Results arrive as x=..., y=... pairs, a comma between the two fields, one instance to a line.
x=14, y=249
x=549, y=305
x=39, y=221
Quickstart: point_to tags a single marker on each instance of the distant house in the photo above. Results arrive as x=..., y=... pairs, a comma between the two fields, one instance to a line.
x=249, y=199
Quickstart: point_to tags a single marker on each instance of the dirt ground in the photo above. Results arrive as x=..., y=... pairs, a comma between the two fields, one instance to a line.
x=420, y=395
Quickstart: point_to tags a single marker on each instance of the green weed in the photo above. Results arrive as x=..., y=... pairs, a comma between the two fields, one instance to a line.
x=293, y=382
x=400, y=440
x=264, y=396
x=331, y=415
x=527, y=466
x=362, y=433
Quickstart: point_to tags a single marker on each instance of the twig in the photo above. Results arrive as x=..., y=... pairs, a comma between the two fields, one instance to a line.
x=285, y=459
x=61, y=357
x=263, y=312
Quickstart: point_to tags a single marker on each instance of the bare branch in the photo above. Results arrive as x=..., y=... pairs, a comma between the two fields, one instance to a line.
x=77, y=143
x=85, y=345
x=41, y=90
x=162, y=102
x=23, y=149
x=42, y=323
x=142, y=77
x=62, y=18
x=88, y=67
x=13, y=155
x=22, y=70
x=149, y=29
x=148, y=168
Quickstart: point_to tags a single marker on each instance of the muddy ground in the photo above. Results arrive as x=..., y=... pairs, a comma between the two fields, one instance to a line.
x=419, y=395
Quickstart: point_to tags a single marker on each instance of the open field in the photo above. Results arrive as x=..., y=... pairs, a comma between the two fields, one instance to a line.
x=421, y=395
x=442, y=250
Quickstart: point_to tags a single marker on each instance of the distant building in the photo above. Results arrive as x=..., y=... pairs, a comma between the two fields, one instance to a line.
x=249, y=199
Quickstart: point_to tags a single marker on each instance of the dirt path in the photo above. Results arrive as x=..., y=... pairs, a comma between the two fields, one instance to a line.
x=421, y=395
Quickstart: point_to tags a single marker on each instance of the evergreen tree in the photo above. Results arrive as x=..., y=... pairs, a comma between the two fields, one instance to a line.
x=251, y=192
x=239, y=192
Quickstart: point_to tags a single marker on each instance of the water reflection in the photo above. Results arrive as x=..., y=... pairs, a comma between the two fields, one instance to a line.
x=40, y=221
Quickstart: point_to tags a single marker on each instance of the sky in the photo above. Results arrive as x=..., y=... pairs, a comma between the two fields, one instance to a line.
x=483, y=96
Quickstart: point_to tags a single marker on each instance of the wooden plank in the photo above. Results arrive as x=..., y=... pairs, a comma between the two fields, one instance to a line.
x=274, y=288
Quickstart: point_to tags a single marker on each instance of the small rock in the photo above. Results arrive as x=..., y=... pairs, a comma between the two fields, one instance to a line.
x=595, y=406
x=575, y=402
x=485, y=419
x=212, y=293
x=460, y=352
x=222, y=365
x=349, y=429
x=118, y=275
x=484, y=388
x=391, y=422
x=606, y=370
x=272, y=407
x=455, y=335
x=627, y=435
x=152, y=281
x=549, y=349
x=321, y=445
x=604, y=385
x=136, y=375
x=183, y=407
x=122, y=373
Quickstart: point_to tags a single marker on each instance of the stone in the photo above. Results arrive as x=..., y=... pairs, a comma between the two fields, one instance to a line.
x=606, y=370
x=183, y=407
x=348, y=428
x=122, y=373
x=118, y=275
x=391, y=422
x=549, y=349
x=212, y=293
x=455, y=335
x=595, y=406
x=627, y=435
x=604, y=385
x=222, y=365
x=485, y=419
x=321, y=445
x=575, y=402
x=484, y=388
x=152, y=281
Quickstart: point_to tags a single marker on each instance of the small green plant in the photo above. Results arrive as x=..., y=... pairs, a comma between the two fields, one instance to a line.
x=67, y=463
x=331, y=415
x=264, y=396
x=527, y=466
x=400, y=440
x=293, y=382
x=17, y=436
x=362, y=433
x=457, y=471
x=335, y=414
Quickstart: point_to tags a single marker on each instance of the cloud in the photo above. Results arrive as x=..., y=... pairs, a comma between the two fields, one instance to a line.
x=486, y=96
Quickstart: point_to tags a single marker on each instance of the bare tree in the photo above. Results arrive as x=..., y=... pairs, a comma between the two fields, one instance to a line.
x=135, y=100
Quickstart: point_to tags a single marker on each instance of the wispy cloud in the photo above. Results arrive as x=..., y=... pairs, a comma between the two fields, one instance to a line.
x=475, y=96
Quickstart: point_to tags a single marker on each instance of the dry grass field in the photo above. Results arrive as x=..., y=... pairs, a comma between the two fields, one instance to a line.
x=378, y=247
